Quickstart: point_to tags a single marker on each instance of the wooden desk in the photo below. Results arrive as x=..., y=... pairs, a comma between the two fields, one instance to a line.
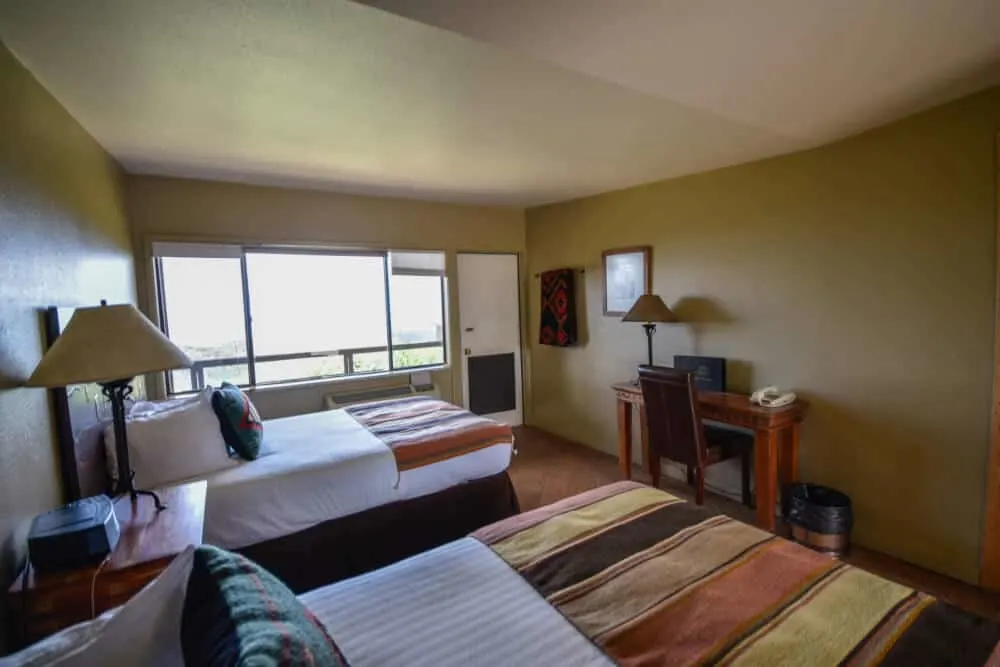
x=776, y=439
x=149, y=541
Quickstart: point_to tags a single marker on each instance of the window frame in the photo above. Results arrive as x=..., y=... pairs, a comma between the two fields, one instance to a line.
x=347, y=354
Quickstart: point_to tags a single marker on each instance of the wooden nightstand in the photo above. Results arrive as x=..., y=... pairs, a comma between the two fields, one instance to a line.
x=149, y=541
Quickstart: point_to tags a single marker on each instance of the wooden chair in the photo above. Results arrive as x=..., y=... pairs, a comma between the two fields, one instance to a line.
x=675, y=430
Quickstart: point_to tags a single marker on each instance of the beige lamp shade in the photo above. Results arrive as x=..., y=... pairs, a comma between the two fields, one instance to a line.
x=104, y=344
x=649, y=308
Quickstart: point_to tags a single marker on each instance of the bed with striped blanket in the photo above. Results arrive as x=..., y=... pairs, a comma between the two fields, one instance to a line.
x=653, y=580
x=625, y=575
x=421, y=430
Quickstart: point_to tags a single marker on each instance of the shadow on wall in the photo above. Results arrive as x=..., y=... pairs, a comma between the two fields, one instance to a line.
x=8, y=381
x=700, y=314
x=739, y=376
x=12, y=369
x=580, y=289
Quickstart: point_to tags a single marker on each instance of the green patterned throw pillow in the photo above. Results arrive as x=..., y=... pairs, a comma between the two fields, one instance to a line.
x=237, y=613
x=241, y=426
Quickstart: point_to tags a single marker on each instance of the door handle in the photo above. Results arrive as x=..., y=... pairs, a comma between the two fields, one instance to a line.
x=469, y=329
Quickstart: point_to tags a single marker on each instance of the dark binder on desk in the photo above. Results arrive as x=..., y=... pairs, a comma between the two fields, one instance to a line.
x=709, y=372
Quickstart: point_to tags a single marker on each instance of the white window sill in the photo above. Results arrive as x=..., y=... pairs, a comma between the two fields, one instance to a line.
x=358, y=377
x=331, y=381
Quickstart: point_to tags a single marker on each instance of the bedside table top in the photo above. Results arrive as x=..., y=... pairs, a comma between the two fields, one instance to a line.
x=147, y=536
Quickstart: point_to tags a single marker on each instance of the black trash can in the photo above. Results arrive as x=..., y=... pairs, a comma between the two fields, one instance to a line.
x=820, y=517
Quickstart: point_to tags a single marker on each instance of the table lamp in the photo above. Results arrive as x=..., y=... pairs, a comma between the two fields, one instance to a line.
x=110, y=345
x=649, y=309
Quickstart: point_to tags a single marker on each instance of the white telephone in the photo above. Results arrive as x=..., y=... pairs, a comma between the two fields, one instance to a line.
x=771, y=397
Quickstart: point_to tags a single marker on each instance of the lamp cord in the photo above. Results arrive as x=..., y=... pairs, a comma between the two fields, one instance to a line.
x=25, y=600
x=24, y=594
x=93, y=587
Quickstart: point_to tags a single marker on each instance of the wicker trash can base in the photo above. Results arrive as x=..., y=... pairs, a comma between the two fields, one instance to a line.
x=833, y=544
x=820, y=518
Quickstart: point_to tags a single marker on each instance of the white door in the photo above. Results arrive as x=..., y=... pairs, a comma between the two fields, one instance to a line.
x=489, y=313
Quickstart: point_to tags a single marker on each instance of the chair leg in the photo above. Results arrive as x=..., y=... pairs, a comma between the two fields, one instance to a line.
x=699, y=491
x=690, y=475
x=746, y=465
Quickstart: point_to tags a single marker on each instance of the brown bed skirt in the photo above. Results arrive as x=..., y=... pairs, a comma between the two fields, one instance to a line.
x=358, y=543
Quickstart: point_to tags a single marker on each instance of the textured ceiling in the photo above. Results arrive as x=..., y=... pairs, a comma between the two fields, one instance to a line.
x=516, y=103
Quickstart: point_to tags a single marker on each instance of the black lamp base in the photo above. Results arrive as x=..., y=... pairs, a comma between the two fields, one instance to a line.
x=116, y=392
x=135, y=493
x=650, y=330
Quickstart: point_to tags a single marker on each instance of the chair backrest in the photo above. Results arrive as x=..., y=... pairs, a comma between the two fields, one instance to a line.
x=673, y=422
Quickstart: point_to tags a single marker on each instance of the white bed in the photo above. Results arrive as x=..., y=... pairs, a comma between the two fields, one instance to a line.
x=322, y=466
x=459, y=604
x=453, y=605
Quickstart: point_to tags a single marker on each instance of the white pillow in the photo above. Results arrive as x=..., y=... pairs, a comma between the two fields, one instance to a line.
x=175, y=444
x=139, y=410
x=145, y=408
x=146, y=630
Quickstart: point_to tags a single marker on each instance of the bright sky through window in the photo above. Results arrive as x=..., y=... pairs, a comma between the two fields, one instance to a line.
x=313, y=314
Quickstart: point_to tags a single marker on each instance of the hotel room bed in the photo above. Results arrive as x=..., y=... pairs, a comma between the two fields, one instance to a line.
x=321, y=466
x=630, y=575
x=373, y=483
x=314, y=514
x=648, y=580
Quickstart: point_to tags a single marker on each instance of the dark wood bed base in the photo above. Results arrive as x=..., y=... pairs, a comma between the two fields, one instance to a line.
x=358, y=543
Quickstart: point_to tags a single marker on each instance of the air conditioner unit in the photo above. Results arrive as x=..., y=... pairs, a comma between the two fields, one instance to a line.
x=343, y=399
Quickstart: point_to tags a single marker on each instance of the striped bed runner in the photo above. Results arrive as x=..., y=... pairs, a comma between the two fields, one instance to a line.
x=654, y=580
x=421, y=430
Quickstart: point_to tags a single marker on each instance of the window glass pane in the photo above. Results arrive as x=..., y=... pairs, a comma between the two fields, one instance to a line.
x=306, y=303
x=203, y=304
x=417, y=306
x=309, y=367
x=371, y=362
x=417, y=312
x=418, y=356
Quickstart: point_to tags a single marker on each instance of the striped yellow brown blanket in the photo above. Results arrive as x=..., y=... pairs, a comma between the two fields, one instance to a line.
x=653, y=580
x=421, y=430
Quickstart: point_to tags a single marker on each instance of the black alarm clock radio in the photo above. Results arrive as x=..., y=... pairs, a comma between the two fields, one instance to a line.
x=80, y=533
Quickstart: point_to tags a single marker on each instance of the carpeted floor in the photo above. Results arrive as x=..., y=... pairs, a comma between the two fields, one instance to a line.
x=548, y=468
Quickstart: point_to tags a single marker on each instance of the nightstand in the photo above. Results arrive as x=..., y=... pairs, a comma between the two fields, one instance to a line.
x=149, y=542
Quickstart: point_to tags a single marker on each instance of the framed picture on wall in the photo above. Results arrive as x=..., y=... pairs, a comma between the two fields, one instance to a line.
x=627, y=276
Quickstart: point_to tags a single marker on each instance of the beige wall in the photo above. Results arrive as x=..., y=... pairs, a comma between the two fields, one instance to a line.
x=168, y=208
x=860, y=275
x=64, y=241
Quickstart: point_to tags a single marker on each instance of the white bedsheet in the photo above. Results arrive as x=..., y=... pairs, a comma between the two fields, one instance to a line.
x=459, y=604
x=322, y=466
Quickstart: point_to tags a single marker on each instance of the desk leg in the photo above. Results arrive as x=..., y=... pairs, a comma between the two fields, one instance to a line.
x=790, y=455
x=650, y=461
x=766, y=476
x=625, y=438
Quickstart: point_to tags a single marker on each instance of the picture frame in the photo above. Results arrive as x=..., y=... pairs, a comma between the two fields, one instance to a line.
x=627, y=274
